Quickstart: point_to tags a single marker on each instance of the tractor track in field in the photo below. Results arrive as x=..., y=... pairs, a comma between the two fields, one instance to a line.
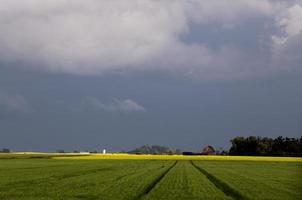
x=52, y=178
x=152, y=185
x=221, y=185
x=96, y=196
x=130, y=174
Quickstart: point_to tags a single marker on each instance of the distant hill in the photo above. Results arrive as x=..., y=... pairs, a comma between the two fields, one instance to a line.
x=154, y=149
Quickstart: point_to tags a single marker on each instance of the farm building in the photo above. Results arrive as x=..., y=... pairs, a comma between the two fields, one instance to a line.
x=208, y=150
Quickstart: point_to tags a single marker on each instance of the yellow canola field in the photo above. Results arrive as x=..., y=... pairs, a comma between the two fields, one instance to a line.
x=180, y=157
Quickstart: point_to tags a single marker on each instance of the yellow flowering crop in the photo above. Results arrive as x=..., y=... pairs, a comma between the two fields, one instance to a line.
x=180, y=157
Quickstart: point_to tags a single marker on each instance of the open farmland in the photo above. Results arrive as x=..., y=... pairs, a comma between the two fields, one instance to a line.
x=255, y=180
x=148, y=179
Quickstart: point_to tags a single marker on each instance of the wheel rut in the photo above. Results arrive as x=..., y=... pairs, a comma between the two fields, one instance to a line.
x=152, y=185
x=221, y=185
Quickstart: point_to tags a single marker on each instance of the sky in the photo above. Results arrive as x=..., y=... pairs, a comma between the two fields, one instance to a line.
x=88, y=75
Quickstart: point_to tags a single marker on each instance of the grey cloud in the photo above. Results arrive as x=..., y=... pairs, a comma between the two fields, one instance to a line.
x=287, y=46
x=209, y=11
x=288, y=53
x=126, y=105
x=96, y=37
x=289, y=23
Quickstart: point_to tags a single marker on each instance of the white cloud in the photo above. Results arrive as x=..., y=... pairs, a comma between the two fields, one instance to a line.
x=16, y=103
x=287, y=47
x=94, y=37
x=290, y=23
x=87, y=37
x=126, y=105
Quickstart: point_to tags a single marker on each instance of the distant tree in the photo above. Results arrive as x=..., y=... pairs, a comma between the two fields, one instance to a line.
x=221, y=151
x=60, y=151
x=238, y=146
x=5, y=150
x=178, y=151
x=224, y=153
x=266, y=146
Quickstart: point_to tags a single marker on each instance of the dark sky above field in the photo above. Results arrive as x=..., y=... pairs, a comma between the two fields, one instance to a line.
x=92, y=74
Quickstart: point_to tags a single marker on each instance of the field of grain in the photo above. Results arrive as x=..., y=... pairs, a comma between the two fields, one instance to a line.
x=35, y=176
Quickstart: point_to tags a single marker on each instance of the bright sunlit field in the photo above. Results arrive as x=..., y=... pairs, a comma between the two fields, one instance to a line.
x=37, y=176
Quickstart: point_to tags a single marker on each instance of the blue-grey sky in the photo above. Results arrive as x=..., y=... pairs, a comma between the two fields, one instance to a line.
x=87, y=75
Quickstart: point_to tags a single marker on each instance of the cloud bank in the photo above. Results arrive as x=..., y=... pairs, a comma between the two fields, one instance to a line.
x=126, y=105
x=97, y=37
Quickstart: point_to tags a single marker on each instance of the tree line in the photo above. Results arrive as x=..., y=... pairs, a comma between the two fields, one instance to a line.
x=4, y=150
x=265, y=146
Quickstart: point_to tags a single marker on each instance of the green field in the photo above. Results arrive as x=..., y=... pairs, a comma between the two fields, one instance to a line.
x=45, y=179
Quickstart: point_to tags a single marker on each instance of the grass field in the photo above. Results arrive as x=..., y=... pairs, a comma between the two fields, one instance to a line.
x=35, y=176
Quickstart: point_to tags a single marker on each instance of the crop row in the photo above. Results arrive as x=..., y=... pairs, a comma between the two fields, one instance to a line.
x=45, y=179
x=88, y=180
x=256, y=180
